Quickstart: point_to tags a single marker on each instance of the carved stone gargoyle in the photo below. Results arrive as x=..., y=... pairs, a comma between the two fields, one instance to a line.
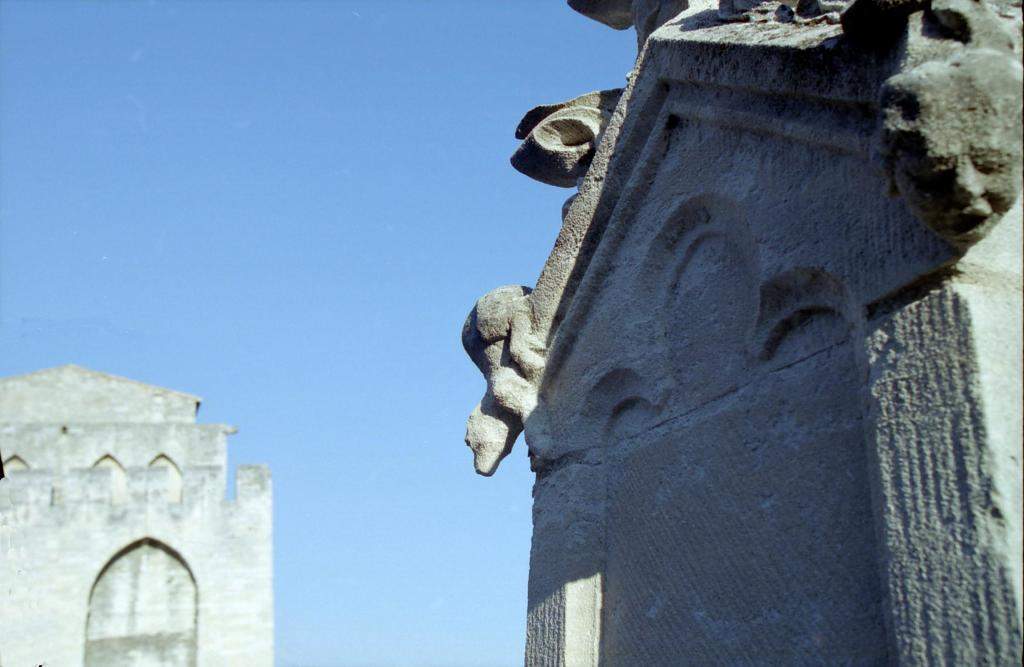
x=950, y=134
x=498, y=336
x=559, y=140
x=951, y=141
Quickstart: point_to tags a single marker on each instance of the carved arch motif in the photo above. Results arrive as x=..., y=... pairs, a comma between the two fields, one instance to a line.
x=619, y=401
x=15, y=463
x=807, y=303
x=174, y=479
x=118, y=478
x=701, y=271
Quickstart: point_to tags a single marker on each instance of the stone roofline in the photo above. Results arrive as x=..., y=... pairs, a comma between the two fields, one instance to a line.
x=71, y=393
x=107, y=376
x=226, y=429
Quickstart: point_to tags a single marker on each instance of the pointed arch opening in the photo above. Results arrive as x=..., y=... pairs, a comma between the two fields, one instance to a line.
x=174, y=480
x=15, y=464
x=143, y=609
x=118, y=478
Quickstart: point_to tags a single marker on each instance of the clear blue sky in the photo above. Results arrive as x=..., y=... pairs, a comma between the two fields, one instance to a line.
x=288, y=209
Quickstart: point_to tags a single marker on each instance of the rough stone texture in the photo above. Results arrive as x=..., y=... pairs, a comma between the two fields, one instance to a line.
x=777, y=418
x=498, y=337
x=118, y=545
x=559, y=140
x=952, y=140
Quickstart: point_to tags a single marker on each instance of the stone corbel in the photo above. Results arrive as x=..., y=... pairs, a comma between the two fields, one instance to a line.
x=498, y=336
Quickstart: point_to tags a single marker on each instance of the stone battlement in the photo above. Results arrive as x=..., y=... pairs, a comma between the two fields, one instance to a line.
x=113, y=495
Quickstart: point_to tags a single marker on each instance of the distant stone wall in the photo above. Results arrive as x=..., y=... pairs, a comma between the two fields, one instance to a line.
x=75, y=394
x=119, y=546
x=770, y=376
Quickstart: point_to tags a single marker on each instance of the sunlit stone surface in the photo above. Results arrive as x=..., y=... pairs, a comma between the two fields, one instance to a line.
x=118, y=547
x=770, y=375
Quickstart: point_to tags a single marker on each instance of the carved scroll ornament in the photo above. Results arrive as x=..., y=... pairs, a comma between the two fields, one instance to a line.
x=559, y=140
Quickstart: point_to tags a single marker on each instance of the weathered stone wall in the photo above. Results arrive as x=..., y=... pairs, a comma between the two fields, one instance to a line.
x=770, y=376
x=140, y=560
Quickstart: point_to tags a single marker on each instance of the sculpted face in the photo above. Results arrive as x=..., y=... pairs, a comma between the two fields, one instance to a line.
x=951, y=140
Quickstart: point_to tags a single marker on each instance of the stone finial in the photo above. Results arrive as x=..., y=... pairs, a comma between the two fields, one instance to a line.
x=498, y=336
x=645, y=15
x=559, y=140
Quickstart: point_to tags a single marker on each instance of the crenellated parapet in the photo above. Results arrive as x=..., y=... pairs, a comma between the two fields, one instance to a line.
x=114, y=495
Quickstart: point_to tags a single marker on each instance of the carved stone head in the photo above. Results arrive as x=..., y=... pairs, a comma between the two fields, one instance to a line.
x=951, y=140
x=498, y=337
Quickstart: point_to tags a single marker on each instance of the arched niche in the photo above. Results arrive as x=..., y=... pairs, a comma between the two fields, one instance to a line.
x=118, y=478
x=174, y=483
x=15, y=464
x=143, y=610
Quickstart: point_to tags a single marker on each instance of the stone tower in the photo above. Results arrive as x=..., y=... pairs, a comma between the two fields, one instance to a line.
x=117, y=543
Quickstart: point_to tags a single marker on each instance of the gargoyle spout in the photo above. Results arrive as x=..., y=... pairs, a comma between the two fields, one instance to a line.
x=498, y=336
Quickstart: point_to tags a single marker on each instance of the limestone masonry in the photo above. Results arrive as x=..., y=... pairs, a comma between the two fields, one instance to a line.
x=118, y=547
x=770, y=375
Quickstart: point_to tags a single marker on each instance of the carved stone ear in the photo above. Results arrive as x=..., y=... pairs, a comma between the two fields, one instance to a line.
x=616, y=14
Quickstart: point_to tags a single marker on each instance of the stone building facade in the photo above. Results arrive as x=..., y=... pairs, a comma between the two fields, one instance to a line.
x=118, y=546
x=770, y=375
